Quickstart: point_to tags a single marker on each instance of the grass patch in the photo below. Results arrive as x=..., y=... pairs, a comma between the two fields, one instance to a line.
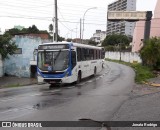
x=143, y=73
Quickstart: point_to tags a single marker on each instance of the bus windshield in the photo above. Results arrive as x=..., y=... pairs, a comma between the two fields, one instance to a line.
x=53, y=60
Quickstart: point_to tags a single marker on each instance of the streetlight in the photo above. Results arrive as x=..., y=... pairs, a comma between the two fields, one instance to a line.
x=83, y=20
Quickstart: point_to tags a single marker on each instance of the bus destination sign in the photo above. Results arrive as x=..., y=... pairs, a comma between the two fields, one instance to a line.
x=53, y=47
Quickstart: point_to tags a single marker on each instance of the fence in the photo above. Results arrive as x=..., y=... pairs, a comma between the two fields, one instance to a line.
x=124, y=56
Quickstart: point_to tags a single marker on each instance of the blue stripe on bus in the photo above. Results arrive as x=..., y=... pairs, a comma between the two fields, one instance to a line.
x=55, y=75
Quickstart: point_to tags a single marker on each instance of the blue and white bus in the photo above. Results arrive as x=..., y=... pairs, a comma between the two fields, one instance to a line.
x=64, y=62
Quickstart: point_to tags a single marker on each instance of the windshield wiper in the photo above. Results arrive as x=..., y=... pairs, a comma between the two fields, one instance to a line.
x=57, y=56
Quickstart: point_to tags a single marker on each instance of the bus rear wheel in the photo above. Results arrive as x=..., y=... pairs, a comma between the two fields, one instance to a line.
x=102, y=66
x=95, y=71
x=78, y=77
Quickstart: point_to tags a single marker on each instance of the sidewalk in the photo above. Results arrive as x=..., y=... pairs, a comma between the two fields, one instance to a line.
x=10, y=81
x=143, y=105
x=152, y=86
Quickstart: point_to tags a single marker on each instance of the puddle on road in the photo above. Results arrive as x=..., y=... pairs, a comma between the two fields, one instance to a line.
x=5, y=108
x=49, y=103
x=54, y=92
x=40, y=106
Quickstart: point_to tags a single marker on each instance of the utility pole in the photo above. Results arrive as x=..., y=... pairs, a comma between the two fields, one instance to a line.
x=53, y=29
x=80, y=31
x=56, y=22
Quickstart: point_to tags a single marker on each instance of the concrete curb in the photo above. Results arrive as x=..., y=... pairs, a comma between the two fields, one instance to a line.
x=152, y=84
x=20, y=85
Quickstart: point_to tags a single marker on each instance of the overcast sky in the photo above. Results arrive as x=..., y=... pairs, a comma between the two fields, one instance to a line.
x=40, y=13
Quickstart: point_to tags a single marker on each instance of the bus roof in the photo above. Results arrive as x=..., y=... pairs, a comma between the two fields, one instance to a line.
x=73, y=44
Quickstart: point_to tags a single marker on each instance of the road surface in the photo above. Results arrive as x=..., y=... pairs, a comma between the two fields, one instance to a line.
x=97, y=98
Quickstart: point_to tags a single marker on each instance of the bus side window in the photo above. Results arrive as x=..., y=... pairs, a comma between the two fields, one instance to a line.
x=73, y=59
x=79, y=58
x=103, y=53
x=91, y=54
x=87, y=54
x=100, y=54
x=83, y=54
x=94, y=54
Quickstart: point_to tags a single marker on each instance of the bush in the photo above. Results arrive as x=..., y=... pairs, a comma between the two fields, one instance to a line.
x=150, y=53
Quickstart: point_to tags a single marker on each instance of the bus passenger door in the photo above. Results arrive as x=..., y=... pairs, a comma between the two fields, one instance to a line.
x=73, y=64
x=73, y=59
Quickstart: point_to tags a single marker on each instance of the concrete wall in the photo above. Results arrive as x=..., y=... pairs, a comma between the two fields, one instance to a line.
x=125, y=56
x=1, y=66
x=138, y=35
x=19, y=64
x=139, y=29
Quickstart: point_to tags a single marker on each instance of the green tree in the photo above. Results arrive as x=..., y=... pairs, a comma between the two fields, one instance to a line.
x=33, y=29
x=150, y=52
x=90, y=42
x=13, y=31
x=116, y=39
x=110, y=48
x=69, y=40
x=61, y=38
x=7, y=46
x=116, y=42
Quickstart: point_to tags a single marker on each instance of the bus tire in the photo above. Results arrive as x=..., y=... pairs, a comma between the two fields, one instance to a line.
x=78, y=77
x=95, y=71
x=102, y=66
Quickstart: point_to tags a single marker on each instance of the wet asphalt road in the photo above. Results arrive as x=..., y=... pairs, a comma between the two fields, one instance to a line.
x=96, y=98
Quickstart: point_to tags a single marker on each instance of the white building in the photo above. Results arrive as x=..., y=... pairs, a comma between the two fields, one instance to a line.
x=99, y=36
x=121, y=27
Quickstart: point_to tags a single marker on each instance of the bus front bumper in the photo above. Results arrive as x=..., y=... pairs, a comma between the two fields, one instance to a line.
x=54, y=80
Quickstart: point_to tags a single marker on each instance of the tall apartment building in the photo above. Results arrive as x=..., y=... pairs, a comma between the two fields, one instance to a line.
x=121, y=27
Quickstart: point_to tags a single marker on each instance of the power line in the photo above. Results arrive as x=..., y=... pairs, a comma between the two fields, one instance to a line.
x=84, y=6
x=62, y=17
x=45, y=12
x=65, y=26
x=84, y=23
x=22, y=2
x=38, y=18
x=48, y=12
x=20, y=6
x=11, y=5
x=27, y=11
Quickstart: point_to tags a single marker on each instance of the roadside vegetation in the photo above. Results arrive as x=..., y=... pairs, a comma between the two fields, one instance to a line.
x=143, y=73
x=117, y=42
x=150, y=55
x=7, y=46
